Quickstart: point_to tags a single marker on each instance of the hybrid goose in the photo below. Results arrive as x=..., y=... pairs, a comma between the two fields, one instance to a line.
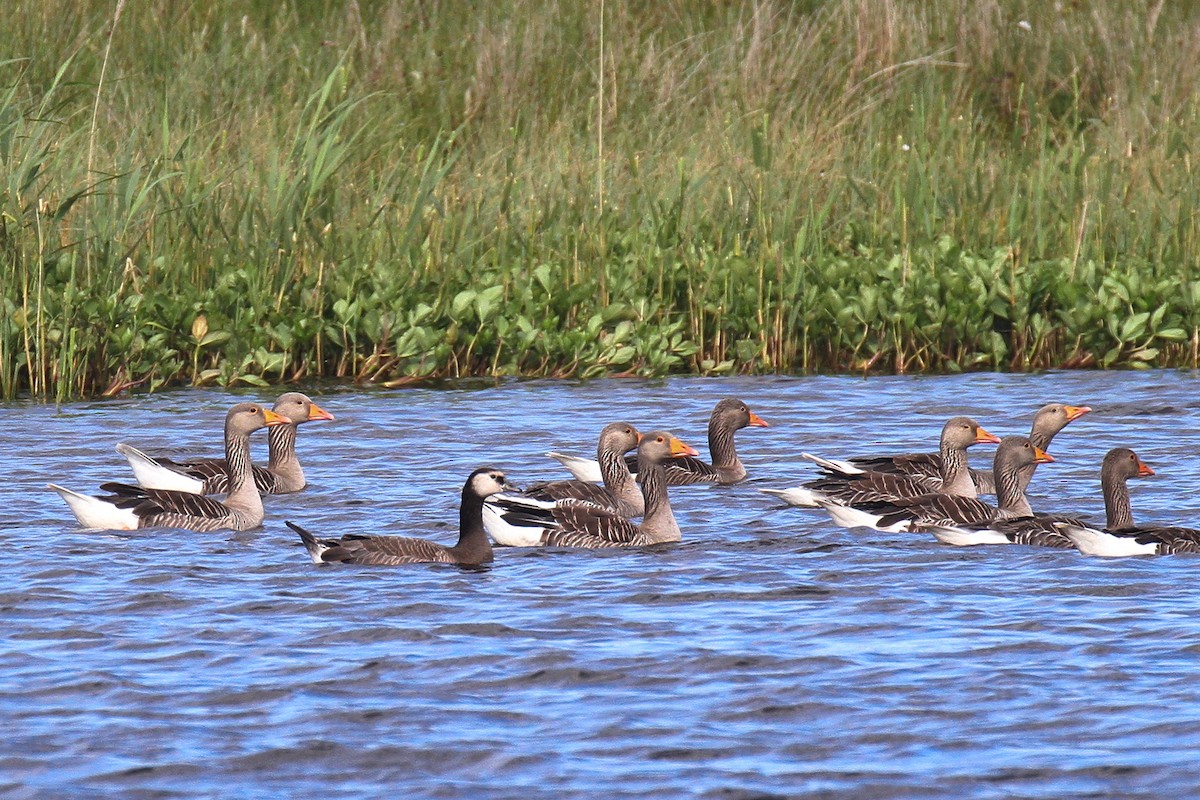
x=128, y=507
x=472, y=547
x=1048, y=421
x=729, y=416
x=958, y=434
x=282, y=475
x=583, y=525
x=1121, y=537
x=925, y=511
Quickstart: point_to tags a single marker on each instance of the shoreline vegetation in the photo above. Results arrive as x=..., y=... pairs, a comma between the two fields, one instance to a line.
x=264, y=192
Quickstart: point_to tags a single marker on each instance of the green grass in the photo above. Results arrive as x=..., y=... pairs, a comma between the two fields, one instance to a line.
x=382, y=191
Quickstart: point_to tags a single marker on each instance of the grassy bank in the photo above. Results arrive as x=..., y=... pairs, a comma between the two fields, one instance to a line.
x=380, y=191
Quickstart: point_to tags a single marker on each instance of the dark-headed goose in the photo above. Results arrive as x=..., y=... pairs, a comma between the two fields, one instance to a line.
x=924, y=511
x=1121, y=537
x=583, y=525
x=472, y=547
x=729, y=416
x=130, y=507
x=282, y=475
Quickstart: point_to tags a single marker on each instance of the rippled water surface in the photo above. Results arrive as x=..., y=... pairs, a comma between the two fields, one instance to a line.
x=769, y=654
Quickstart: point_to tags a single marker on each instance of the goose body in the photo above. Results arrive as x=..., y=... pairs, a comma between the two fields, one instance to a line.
x=472, y=547
x=942, y=510
x=1120, y=536
x=589, y=526
x=1047, y=422
x=854, y=485
x=127, y=507
x=729, y=416
x=282, y=475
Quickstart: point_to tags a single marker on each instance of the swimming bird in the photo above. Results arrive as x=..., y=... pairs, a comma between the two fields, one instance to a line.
x=1121, y=537
x=472, y=547
x=924, y=511
x=729, y=416
x=282, y=475
x=1048, y=421
x=127, y=507
x=856, y=486
x=584, y=525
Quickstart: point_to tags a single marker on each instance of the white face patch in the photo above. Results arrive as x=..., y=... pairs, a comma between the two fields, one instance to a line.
x=487, y=483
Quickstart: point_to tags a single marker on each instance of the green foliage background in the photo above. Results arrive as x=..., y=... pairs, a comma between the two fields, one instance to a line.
x=249, y=191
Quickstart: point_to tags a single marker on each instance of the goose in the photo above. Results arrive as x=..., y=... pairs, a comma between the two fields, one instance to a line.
x=282, y=475
x=729, y=416
x=585, y=525
x=924, y=511
x=958, y=434
x=1048, y=421
x=1121, y=537
x=620, y=492
x=128, y=507
x=472, y=547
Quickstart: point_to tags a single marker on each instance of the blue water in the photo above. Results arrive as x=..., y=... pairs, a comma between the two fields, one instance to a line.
x=769, y=654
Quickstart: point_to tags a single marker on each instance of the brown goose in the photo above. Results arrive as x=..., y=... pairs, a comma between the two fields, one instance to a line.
x=282, y=475
x=1121, y=537
x=958, y=434
x=472, y=548
x=130, y=507
x=583, y=525
x=926, y=511
x=729, y=416
x=1048, y=421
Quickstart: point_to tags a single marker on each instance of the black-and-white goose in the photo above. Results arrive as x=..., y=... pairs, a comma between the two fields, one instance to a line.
x=1048, y=421
x=128, y=507
x=1121, y=537
x=925, y=511
x=282, y=475
x=858, y=486
x=472, y=547
x=583, y=525
x=729, y=416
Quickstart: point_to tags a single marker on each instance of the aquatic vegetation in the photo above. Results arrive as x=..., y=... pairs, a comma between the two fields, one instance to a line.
x=364, y=191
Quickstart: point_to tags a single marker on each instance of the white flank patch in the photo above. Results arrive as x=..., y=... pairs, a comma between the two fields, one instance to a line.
x=851, y=517
x=833, y=464
x=92, y=512
x=1092, y=542
x=151, y=475
x=584, y=469
x=796, y=496
x=964, y=537
x=505, y=533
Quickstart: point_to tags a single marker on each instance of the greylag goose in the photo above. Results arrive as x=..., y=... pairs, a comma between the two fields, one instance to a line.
x=925, y=511
x=128, y=507
x=472, y=547
x=282, y=475
x=620, y=492
x=729, y=416
x=585, y=525
x=1121, y=537
x=858, y=486
x=1048, y=421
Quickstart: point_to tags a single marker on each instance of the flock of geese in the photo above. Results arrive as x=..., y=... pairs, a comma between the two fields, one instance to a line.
x=936, y=493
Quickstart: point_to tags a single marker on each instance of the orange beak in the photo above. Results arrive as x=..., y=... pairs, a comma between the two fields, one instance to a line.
x=273, y=419
x=316, y=412
x=983, y=437
x=1040, y=456
x=678, y=448
x=757, y=422
x=1075, y=412
x=1143, y=470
